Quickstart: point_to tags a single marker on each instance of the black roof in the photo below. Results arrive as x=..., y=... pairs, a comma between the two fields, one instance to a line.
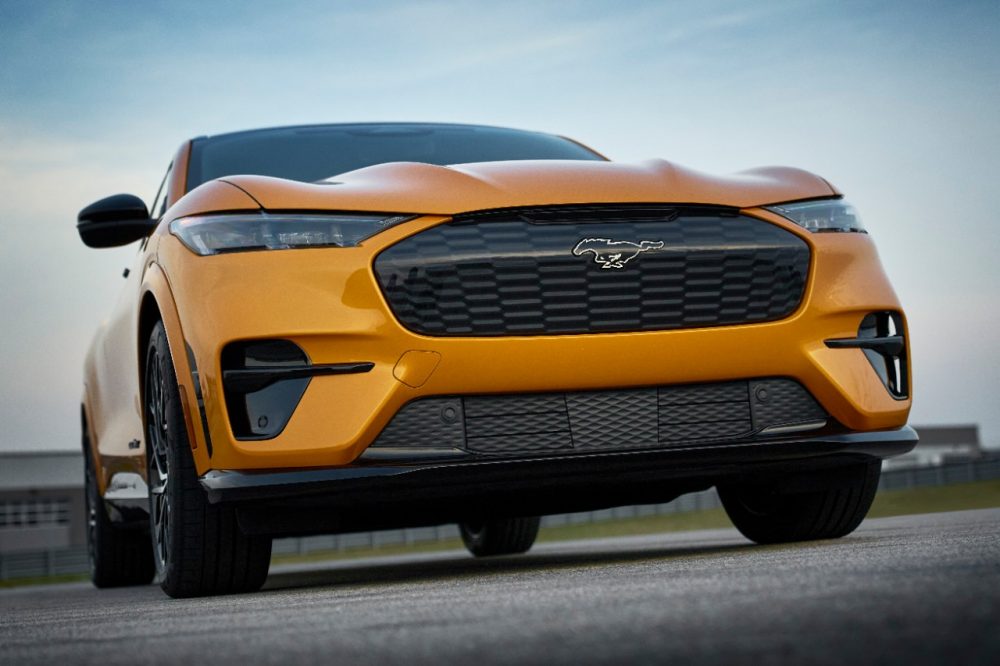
x=368, y=125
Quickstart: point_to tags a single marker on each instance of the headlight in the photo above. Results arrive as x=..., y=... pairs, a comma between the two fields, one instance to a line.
x=215, y=234
x=824, y=215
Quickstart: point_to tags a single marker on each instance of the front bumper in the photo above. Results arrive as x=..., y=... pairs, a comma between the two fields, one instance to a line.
x=384, y=494
x=327, y=302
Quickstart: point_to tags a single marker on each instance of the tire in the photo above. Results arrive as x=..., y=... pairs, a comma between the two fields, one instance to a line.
x=118, y=557
x=499, y=537
x=766, y=515
x=198, y=548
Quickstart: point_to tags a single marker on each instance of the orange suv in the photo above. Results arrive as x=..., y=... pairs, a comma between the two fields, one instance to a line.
x=351, y=327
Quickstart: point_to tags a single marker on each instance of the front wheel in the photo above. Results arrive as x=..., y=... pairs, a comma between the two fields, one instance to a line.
x=499, y=537
x=835, y=508
x=198, y=548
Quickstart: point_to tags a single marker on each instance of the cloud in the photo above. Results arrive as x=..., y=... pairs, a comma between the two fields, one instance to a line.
x=894, y=103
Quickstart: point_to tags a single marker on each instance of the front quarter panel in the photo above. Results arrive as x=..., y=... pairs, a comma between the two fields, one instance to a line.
x=156, y=287
x=113, y=391
x=212, y=197
x=324, y=300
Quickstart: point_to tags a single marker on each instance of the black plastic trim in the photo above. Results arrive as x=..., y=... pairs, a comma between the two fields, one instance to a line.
x=520, y=424
x=891, y=345
x=881, y=336
x=195, y=379
x=698, y=462
x=248, y=380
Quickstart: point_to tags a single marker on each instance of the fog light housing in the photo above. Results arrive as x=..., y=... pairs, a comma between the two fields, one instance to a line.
x=259, y=406
x=882, y=338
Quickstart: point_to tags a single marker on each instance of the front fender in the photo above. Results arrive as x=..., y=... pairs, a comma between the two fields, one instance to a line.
x=156, y=292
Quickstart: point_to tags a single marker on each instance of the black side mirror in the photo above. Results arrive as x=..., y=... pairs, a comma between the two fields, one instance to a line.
x=117, y=220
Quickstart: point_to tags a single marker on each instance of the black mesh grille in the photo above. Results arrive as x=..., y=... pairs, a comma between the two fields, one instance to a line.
x=591, y=270
x=601, y=420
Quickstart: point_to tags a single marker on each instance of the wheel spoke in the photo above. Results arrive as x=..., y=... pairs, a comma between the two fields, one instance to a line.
x=159, y=460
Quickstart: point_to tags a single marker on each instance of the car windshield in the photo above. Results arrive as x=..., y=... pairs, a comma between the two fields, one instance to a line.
x=313, y=153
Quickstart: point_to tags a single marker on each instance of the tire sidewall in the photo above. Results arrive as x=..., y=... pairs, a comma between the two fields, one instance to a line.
x=176, y=435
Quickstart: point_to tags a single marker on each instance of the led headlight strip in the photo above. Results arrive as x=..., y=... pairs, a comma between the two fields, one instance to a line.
x=216, y=234
x=821, y=215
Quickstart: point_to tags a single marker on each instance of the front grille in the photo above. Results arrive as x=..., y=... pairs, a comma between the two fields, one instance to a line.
x=565, y=270
x=666, y=416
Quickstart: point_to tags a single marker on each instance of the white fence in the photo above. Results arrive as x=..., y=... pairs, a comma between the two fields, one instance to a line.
x=68, y=561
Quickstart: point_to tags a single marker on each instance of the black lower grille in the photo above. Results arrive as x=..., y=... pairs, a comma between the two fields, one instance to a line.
x=592, y=270
x=602, y=420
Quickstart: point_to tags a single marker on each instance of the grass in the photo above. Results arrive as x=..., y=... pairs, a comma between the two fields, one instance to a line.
x=933, y=499
x=43, y=580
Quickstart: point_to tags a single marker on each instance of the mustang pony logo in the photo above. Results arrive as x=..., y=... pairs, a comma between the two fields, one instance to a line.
x=611, y=253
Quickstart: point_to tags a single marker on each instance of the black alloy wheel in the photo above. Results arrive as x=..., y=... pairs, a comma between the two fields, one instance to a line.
x=158, y=462
x=198, y=547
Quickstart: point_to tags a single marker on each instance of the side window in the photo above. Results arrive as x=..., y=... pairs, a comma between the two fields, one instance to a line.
x=159, y=206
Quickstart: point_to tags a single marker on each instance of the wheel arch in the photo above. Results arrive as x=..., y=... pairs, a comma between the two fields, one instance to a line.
x=157, y=305
x=149, y=315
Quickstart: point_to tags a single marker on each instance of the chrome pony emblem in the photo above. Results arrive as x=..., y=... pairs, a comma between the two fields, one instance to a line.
x=611, y=253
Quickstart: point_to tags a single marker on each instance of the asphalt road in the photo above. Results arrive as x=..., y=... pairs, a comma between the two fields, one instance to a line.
x=914, y=590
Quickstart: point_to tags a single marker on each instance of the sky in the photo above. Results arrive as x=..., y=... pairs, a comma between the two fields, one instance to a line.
x=897, y=103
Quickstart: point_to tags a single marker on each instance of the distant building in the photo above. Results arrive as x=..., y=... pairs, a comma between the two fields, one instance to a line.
x=940, y=445
x=42, y=505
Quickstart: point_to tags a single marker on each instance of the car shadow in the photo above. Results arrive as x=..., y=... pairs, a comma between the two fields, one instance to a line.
x=342, y=573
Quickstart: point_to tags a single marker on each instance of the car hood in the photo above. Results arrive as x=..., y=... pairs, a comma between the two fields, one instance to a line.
x=409, y=187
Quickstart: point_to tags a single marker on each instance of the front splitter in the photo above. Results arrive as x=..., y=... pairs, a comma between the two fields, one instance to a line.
x=453, y=470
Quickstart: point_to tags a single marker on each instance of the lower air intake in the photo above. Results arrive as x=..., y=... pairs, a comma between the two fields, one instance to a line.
x=668, y=416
